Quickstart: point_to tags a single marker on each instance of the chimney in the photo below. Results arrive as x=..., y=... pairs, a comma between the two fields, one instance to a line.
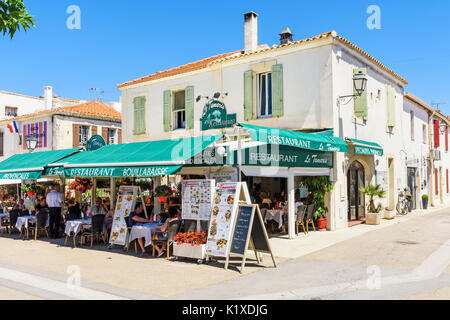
x=286, y=36
x=251, y=31
x=48, y=98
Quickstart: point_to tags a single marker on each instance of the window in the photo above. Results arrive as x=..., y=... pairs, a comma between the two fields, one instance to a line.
x=412, y=124
x=84, y=135
x=179, y=110
x=111, y=136
x=264, y=90
x=11, y=112
x=424, y=133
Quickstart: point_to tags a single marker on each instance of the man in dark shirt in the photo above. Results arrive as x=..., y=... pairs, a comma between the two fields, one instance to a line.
x=137, y=217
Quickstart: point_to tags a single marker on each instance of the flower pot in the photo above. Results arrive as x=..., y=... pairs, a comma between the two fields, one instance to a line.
x=373, y=218
x=162, y=199
x=389, y=214
x=425, y=203
x=186, y=250
x=322, y=224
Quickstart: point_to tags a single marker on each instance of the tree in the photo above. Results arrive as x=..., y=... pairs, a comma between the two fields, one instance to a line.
x=13, y=15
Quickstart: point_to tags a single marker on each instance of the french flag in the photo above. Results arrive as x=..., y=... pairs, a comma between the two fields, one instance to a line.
x=9, y=126
x=15, y=127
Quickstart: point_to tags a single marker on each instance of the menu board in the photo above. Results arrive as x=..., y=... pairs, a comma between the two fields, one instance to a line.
x=197, y=199
x=126, y=200
x=222, y=218
x=241, y=230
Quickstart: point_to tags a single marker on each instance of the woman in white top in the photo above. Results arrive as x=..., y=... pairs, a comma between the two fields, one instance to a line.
x=98, y=208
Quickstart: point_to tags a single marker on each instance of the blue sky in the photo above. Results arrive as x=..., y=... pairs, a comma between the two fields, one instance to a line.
x=123, y=40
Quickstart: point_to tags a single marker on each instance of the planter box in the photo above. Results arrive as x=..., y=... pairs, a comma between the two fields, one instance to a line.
x=187, y=251
x=373, y=218
x=390, y=214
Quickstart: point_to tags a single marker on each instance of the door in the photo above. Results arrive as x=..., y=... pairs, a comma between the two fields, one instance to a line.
x=413, y=185
x=356, y=200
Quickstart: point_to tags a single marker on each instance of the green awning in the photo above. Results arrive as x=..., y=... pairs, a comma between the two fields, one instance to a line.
x=365, y=147
x=301, y=140
x=31, y=165
x=142, y=159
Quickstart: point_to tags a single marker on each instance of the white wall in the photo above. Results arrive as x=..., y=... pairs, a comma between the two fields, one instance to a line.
x=24, y=104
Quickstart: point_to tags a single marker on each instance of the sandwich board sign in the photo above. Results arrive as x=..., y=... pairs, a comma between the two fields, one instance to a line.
x=249, y=233
x=197, y=199
x=225, y=205
x=126, y=202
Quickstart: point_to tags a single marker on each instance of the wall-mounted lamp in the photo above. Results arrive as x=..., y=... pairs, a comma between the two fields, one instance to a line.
x=31, y=142
x=359, y=83
x=200, y=98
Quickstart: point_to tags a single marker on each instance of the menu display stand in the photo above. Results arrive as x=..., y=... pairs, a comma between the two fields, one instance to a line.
x=197, y=200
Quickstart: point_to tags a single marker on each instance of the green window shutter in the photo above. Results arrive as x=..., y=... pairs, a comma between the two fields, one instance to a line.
x=248, y=95
x=139, y=115
x=361, y=101
x=277, y=90
x=390, y=106
x=189, y=105
x=167, y=111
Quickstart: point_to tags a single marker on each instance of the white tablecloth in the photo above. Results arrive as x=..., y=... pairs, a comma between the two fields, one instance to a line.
x=276, y=215
x=23, y=221
x=75, y=226
x=144, y=231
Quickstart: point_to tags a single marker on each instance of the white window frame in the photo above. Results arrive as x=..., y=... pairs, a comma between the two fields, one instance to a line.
x=268, y=100
x=11, y=115
x=112, y=137
x=175, y=113
x=88, y=134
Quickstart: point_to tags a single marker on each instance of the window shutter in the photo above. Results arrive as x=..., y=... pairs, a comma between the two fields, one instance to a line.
x=94, y=130
x=76, y=135
x=361, y=101
x=446, y=139
x=277, y=90
x=105, y=134
x=139, y=115
x=248, y=95
x=390, y=106
x=167, y=111
x=437, y=141
x=119, y=136
x=436, y=181
x=189, y=105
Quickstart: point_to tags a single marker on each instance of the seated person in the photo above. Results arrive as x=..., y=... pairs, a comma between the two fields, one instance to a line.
x=137, y=217
x=98, y=208
x=20, y=206
x=41, y=205
x=74, y=211
x=162, y=234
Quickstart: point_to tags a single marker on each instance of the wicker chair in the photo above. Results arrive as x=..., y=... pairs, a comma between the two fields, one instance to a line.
x=172, y=231
x=309, y=217
x=13, y=216
x=301, y=214
x=41, y=222
x=98, y=222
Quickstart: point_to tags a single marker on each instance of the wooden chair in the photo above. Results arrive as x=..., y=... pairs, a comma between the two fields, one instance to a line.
x=13, y=216
x=310, y=217
x=172, y=231
x=41, y=223
x=98, y=222
x=301, y=214
x=129, y=227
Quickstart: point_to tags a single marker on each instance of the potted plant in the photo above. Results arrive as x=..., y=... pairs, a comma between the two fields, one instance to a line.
x=389, y=214
x=373, y=216
x=163, y=192
x=318, y=187
x=425, y=201
x=31, y=189
x=82, y=185
x=190, y=245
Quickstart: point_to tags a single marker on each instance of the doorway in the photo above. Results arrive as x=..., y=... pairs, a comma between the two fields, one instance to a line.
x=412, y=185
x=356, y=200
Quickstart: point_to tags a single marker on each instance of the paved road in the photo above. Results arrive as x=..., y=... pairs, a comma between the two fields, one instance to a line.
x=409, y=260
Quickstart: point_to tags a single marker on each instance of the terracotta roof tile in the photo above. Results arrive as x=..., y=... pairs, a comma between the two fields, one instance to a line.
x=93, y=108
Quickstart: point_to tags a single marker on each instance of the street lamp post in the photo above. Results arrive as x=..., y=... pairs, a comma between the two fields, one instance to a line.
x=31, y=143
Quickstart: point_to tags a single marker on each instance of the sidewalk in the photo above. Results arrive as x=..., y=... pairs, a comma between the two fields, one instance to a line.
x=315, y=241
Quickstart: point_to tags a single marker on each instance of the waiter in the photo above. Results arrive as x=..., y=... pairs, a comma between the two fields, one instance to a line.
x=54, y=202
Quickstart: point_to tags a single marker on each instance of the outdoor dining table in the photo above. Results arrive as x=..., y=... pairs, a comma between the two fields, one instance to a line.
x=75, y=226
x=23, y=221
x=144, y=231
x=275, y=215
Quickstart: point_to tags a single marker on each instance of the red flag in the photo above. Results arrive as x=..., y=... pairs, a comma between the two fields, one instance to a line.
x=9, y=126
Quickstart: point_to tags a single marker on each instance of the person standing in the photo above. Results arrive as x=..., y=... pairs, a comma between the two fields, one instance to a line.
x=54, y=202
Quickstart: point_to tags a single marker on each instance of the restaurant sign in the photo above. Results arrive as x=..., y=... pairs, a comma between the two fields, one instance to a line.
x=368, y=150
x=215, y=116
x=95, y=143
x=121, y=172
x=33, y=175
x=285, y=156
x=54, y=171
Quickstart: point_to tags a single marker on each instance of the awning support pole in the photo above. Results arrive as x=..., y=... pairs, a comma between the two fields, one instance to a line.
x=112, y=185
x=239, y=155
x=291, y=204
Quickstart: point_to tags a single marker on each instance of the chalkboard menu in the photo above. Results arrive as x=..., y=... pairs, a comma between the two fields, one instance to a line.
x=241, y=230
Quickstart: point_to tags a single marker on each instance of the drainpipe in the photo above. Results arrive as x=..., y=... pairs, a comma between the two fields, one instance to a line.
x=430, y=149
